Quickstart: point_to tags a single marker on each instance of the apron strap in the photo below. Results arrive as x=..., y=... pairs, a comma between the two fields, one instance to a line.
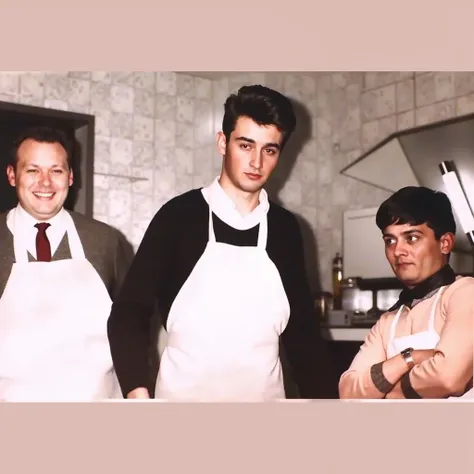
x=262, y=228
x=263, y=233
x=212, y=235
x=75, y=245
x=431, y=324
x=394, y=324
x=19, y=240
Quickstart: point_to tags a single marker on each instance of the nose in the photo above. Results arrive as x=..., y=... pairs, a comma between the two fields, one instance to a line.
x=256, y=161
x=400, y=249
x=45, y=179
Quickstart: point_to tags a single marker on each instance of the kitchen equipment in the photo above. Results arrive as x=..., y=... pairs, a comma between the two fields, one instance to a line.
x=322, y=304
x=353, y=298
x=337, y=276
x=364, y=301
x=339, y=318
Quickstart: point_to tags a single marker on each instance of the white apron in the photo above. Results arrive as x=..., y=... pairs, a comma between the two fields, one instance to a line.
x=223, y=327
x=53, y=329
x=424, y=340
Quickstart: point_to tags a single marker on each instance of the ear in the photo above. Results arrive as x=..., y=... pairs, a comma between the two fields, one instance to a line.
x=447, y=243
x=11, y=175
x=221, y=143
x=71, y=178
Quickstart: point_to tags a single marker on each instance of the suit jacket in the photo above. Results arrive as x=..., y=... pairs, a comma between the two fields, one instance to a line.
x=105, y=248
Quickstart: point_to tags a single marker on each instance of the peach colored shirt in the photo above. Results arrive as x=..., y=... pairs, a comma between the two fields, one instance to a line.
x=446, y=374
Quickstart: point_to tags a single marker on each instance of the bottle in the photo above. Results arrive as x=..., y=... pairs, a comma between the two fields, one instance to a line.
x=337, y=277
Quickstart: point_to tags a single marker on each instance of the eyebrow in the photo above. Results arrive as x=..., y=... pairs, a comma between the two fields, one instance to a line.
x=251, y=140
x=405, y=233
x=51, y=167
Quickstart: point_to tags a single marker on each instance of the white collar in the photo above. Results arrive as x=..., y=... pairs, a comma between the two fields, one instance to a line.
x=224, y=207
x=27, y=221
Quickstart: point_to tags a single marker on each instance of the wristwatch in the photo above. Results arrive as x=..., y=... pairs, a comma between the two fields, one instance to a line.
x=408, y=358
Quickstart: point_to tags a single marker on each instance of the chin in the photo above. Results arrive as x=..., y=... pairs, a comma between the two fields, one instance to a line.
x=47, y=212
x=252, y=187
x=407, y=277
x=409, y=281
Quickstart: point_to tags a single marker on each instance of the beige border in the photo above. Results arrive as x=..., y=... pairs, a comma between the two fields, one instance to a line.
x=326, y=437
x=320, y=437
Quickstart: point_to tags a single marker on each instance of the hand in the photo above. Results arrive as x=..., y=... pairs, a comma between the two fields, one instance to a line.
x=139, y=393
x=419, y=356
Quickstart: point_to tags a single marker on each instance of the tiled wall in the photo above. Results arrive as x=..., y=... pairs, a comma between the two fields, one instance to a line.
x=161, y=126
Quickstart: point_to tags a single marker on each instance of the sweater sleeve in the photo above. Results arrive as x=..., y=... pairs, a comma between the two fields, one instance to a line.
x=356, y=381
x=305, y=348
x=449, y=372
x=130, y=321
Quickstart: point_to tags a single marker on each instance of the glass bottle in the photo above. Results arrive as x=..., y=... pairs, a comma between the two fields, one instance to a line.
x=337, y=278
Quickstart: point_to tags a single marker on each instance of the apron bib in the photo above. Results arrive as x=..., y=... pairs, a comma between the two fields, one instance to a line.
x=422, y=340
x=53, y=328
x=224, y=326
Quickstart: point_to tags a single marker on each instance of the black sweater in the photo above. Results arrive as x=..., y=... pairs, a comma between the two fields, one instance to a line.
x=172, y=245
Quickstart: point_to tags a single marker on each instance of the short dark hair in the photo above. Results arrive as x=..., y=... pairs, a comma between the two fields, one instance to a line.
x=417, y=205
x=42, y=134
x=264, y=106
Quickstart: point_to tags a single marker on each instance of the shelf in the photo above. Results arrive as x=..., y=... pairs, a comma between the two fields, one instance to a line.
x=133, y=179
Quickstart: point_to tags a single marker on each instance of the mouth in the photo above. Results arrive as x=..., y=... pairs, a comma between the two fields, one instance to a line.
x=403, y=265
x=44, y=196
x=253, y=176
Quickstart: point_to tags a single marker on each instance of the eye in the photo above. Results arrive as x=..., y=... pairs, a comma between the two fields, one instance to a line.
x=244, y=146
x=389, y=242
x=270, y=151
x=413, y=238
x=58, y=171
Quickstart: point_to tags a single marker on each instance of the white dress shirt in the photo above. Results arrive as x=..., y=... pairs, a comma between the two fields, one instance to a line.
x=55, y=232
x=226, y=210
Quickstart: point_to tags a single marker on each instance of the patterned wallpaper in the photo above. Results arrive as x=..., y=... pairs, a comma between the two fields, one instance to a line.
x=161, y=126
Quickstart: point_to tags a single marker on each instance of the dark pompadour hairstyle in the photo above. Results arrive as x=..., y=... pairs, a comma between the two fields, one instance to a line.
x=415, y=205
x=263, y=105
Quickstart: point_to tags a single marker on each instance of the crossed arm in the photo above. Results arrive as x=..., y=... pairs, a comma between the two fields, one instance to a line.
x=440, y=373
x=371, y=375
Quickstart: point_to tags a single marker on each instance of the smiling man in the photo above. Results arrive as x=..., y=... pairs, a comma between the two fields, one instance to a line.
x=59, y=272
x=225, y=267
x=423, y=346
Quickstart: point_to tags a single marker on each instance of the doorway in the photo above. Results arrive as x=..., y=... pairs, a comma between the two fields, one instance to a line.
x=14, y=118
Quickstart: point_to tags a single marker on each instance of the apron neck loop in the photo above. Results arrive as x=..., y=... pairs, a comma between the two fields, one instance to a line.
x=262, y=233
x=212, y=235
x=395, y=322
x=262, y=228
x=433, y=308
x=431, y=322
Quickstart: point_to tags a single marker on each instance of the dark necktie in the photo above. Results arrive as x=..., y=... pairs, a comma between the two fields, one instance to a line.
x=43, y=248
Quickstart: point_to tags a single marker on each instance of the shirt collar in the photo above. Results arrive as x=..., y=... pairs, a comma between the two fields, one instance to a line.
x=224, y=207
x=26, y=220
